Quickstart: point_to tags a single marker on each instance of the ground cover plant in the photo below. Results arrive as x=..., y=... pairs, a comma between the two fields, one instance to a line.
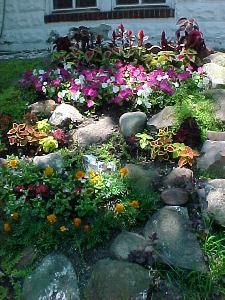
x=76, y=209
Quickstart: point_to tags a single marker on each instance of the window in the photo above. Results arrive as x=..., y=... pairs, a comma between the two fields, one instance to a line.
x=70, y=4
x=139, y=2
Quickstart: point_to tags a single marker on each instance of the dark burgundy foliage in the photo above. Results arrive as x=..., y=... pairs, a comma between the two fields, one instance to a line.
x=62, y=44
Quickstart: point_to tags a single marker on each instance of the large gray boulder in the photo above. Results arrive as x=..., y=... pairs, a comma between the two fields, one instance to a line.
x=95, y=133
x=176, y=244
x=64, y=113
x=126, y=242
x=178, y=177
x=54, y=160
x=165, y=118
x=215, y=200
x=217, y=58
x=213, y=158
x=174, y=196
x=54, y=278
x=132, y=123
x=216, y=136
x=116, y=280
x=216, y=73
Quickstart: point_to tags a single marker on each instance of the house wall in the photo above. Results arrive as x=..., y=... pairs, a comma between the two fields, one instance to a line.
x=24, y=27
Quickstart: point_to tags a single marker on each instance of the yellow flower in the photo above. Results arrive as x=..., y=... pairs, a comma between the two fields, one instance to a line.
x=123, y=172
x=77, y=222
x=134, y=204
x=63, y=228
x=119, y=207
x=13, y=163
x=15, y=216
x=52, y=218
x=6, y=227
x=48, y=171
x=154, y=62
x=92, y=173
x=96, y=179
x=79, y=175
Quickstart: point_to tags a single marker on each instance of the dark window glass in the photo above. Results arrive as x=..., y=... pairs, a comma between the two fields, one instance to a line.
x=60, y=4
x=153, y=1
x=86, y=3
x=126, y=2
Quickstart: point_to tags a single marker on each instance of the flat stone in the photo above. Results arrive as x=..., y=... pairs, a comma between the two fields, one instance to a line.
x=216, y=73
x=142, y=179
x=215, y=136
x=132, y=123
x=64, y=113
x=218, y=96
x=54, y=278
x=165, y=118
x=46, y=107
x=178, y=177
x=95, y=133
x=54, y=160
x=126, y=242
x=174, y=196
x=176, y=244
x=215, y=191
x=116, y=280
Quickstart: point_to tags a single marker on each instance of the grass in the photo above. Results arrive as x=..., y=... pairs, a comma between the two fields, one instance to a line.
x=12, y=99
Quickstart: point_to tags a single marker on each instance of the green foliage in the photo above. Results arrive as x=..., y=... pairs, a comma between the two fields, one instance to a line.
x=43, y=126
x=49, y=144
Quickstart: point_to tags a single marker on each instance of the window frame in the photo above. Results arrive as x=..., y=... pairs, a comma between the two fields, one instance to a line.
x=74, y=7
x=140, y=4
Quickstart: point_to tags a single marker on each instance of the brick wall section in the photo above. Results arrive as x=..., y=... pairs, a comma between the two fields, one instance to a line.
x=162, y=12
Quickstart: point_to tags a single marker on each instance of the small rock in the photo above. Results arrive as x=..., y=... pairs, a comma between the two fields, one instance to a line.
x=142, y=179
x=216, y=136
x=219, y=98
x=165, y=118
x=95, y=133
x=216, y=73
x=132, y=123
x=126, y=242
x=174, y=196
x=116, y=280
x=54, y=160
x=63, y=113
x=215, y=191
x=91, y=163
x=217, y=58
x=27, y=257
x=176, y=244
x=46, y=107
x=178, y=177
x=54, y=278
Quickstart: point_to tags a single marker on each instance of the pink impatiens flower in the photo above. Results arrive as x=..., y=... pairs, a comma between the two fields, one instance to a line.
x=90, y=103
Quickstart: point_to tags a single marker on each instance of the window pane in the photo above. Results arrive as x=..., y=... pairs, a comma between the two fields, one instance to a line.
x=153, y=1
x=86, y=3
x=57, y=4
x=126, y=2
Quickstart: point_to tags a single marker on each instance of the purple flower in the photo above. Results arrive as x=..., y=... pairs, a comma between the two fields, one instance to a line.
x=88, y=91
x=166, y=88
x=183, y=75
x=90, y=103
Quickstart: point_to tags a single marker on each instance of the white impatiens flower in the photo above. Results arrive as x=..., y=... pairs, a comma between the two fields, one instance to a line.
x=41, y=72
x=75, y=96
x=112, y=78
x=77, y=81
x=147, y=104
x=176, y=84
x=44, y=89
x=123, y=87
x=115, y=89
x=104, y=85
x=139, y=102
x=82, y=79
x=82, y=100
x=62, y=94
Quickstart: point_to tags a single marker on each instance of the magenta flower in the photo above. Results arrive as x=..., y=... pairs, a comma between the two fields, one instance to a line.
x=183, y=75
x=59, y=134
x=56, y=82
x=166, y=88
x=90, y=103
x=88, y=91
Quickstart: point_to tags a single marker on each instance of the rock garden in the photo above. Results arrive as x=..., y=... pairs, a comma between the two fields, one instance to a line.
x=112, y=169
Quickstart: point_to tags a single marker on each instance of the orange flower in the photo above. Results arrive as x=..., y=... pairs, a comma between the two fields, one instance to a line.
x=134, y=204
x=13, y=163
x=87, y=228
x=15, y=216
x=77, y=222
x=6, y=227
x=123, y=172
x=48, y=171
x=52, y=218
x=119, y=207
x=63, y=228
x=79, y=175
